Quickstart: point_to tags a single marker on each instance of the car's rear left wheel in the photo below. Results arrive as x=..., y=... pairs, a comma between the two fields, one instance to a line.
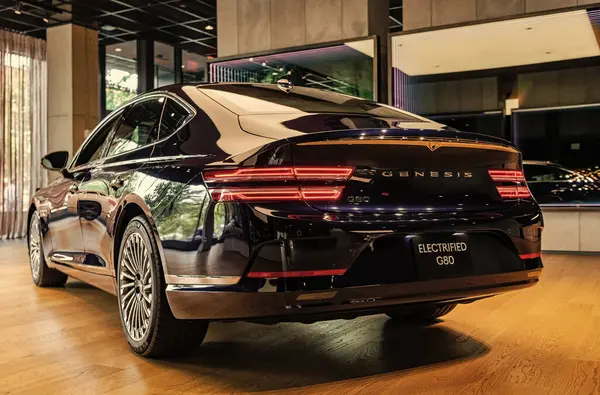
x=150, y=327
x=41, y=274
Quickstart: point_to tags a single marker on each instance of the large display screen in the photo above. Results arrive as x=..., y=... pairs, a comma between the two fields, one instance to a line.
x=347, y=67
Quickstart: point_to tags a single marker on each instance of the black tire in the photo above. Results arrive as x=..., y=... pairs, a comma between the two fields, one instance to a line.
x=421, y=314
x=41, y=274
x=163, y=334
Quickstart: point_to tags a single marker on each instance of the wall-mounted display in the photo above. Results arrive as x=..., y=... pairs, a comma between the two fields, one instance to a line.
x=347, y=67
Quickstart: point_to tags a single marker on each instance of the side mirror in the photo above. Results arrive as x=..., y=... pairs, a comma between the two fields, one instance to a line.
x=55, y=161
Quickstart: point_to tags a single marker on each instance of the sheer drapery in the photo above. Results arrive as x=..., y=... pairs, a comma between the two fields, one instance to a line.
x=22, y=127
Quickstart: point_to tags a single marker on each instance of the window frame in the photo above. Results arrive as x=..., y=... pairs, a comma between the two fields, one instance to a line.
x=111, y=136
x=116, y=113
x=119, y=112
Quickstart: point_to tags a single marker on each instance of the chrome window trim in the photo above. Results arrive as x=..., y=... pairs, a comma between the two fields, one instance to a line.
x=149, y=160
x=100, y=162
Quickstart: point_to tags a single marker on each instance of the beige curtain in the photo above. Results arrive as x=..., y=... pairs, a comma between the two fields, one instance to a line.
x=22, y=127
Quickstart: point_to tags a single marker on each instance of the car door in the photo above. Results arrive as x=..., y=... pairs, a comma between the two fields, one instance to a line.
x=64, y=226
x=131, y=143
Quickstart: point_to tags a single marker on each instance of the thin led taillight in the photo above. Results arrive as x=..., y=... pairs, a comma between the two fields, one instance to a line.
x=518, y=190
x=514, y=192
x=507, y=175
x=269, y=194
x=531, y=256
x=276, y=173
x=323, y=173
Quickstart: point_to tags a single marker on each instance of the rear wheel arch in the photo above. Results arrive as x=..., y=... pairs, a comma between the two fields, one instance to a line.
x=32, y=209
x=126, y=214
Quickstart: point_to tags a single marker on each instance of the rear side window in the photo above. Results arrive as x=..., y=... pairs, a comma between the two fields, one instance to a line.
x=173, y=117
x=95, y=145
x=140, y=126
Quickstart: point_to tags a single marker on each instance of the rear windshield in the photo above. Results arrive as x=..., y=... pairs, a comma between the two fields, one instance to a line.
x=246, y=99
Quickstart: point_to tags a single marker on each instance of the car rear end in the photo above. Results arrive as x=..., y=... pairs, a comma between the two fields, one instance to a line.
x=345, y=223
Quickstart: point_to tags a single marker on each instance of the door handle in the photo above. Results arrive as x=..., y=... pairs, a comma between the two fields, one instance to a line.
x=117, y=183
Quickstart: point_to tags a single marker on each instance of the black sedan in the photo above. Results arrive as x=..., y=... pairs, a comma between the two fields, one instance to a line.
x=270, y=203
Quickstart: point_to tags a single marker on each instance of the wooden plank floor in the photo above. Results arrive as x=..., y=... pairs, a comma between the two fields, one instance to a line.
x=544, y=340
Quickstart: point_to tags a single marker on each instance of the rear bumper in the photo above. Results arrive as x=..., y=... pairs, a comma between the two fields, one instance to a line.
x=222, y=304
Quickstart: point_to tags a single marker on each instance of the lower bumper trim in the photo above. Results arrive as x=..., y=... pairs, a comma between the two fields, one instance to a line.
x=195, y=303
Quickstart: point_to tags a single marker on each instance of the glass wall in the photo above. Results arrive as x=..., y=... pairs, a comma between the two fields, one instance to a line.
x=516, y=79
x=345, y=68
x=121, y=74
x=193, y=67
x=164, y=64
x=490, y=123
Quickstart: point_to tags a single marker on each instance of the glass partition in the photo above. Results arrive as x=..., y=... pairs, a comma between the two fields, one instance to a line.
x=347, y=67
x=516, y=79
x=121, y=74
x=164, y=64
x=193, y=67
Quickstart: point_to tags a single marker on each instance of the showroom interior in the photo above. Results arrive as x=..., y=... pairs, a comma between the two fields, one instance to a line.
x=526, y=71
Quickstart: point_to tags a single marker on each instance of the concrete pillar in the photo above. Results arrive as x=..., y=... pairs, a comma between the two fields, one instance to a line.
x=72, y=63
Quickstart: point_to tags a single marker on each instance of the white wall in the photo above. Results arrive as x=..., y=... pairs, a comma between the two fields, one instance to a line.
x=571, y=230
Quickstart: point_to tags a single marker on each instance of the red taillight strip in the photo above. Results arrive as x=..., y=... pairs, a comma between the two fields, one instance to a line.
x=279, y=173
x=531, y=256
x=250, y=174
x=320, y=173
x=514, y=192
x=507, y=175
x=256, y=194
x=303, y=273
x=267, y=194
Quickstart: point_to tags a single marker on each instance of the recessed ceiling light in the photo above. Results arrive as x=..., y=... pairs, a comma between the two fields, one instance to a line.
x=264, y=63
x=45, y=20
x=118, y=49
x=183, y=66
x=209, y=27
x=108, y=28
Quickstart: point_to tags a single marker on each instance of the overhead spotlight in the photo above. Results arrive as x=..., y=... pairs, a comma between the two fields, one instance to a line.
x=183, y=66
x=45, y=20
x=18, y=8
x=209, y=27
x=118, y=49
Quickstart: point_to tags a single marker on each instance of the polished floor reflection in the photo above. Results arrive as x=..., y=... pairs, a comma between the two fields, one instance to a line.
x=543, y=340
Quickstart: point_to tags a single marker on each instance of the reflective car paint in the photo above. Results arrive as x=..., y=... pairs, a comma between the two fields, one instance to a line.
x=209, y=244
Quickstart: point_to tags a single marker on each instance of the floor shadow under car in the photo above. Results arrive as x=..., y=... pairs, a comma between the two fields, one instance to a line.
x=249, y=357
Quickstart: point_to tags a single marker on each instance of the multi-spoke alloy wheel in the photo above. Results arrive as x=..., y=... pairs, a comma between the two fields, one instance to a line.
x=149, y=325
x=34, y=248
x=136, y=287
x=42, y=275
